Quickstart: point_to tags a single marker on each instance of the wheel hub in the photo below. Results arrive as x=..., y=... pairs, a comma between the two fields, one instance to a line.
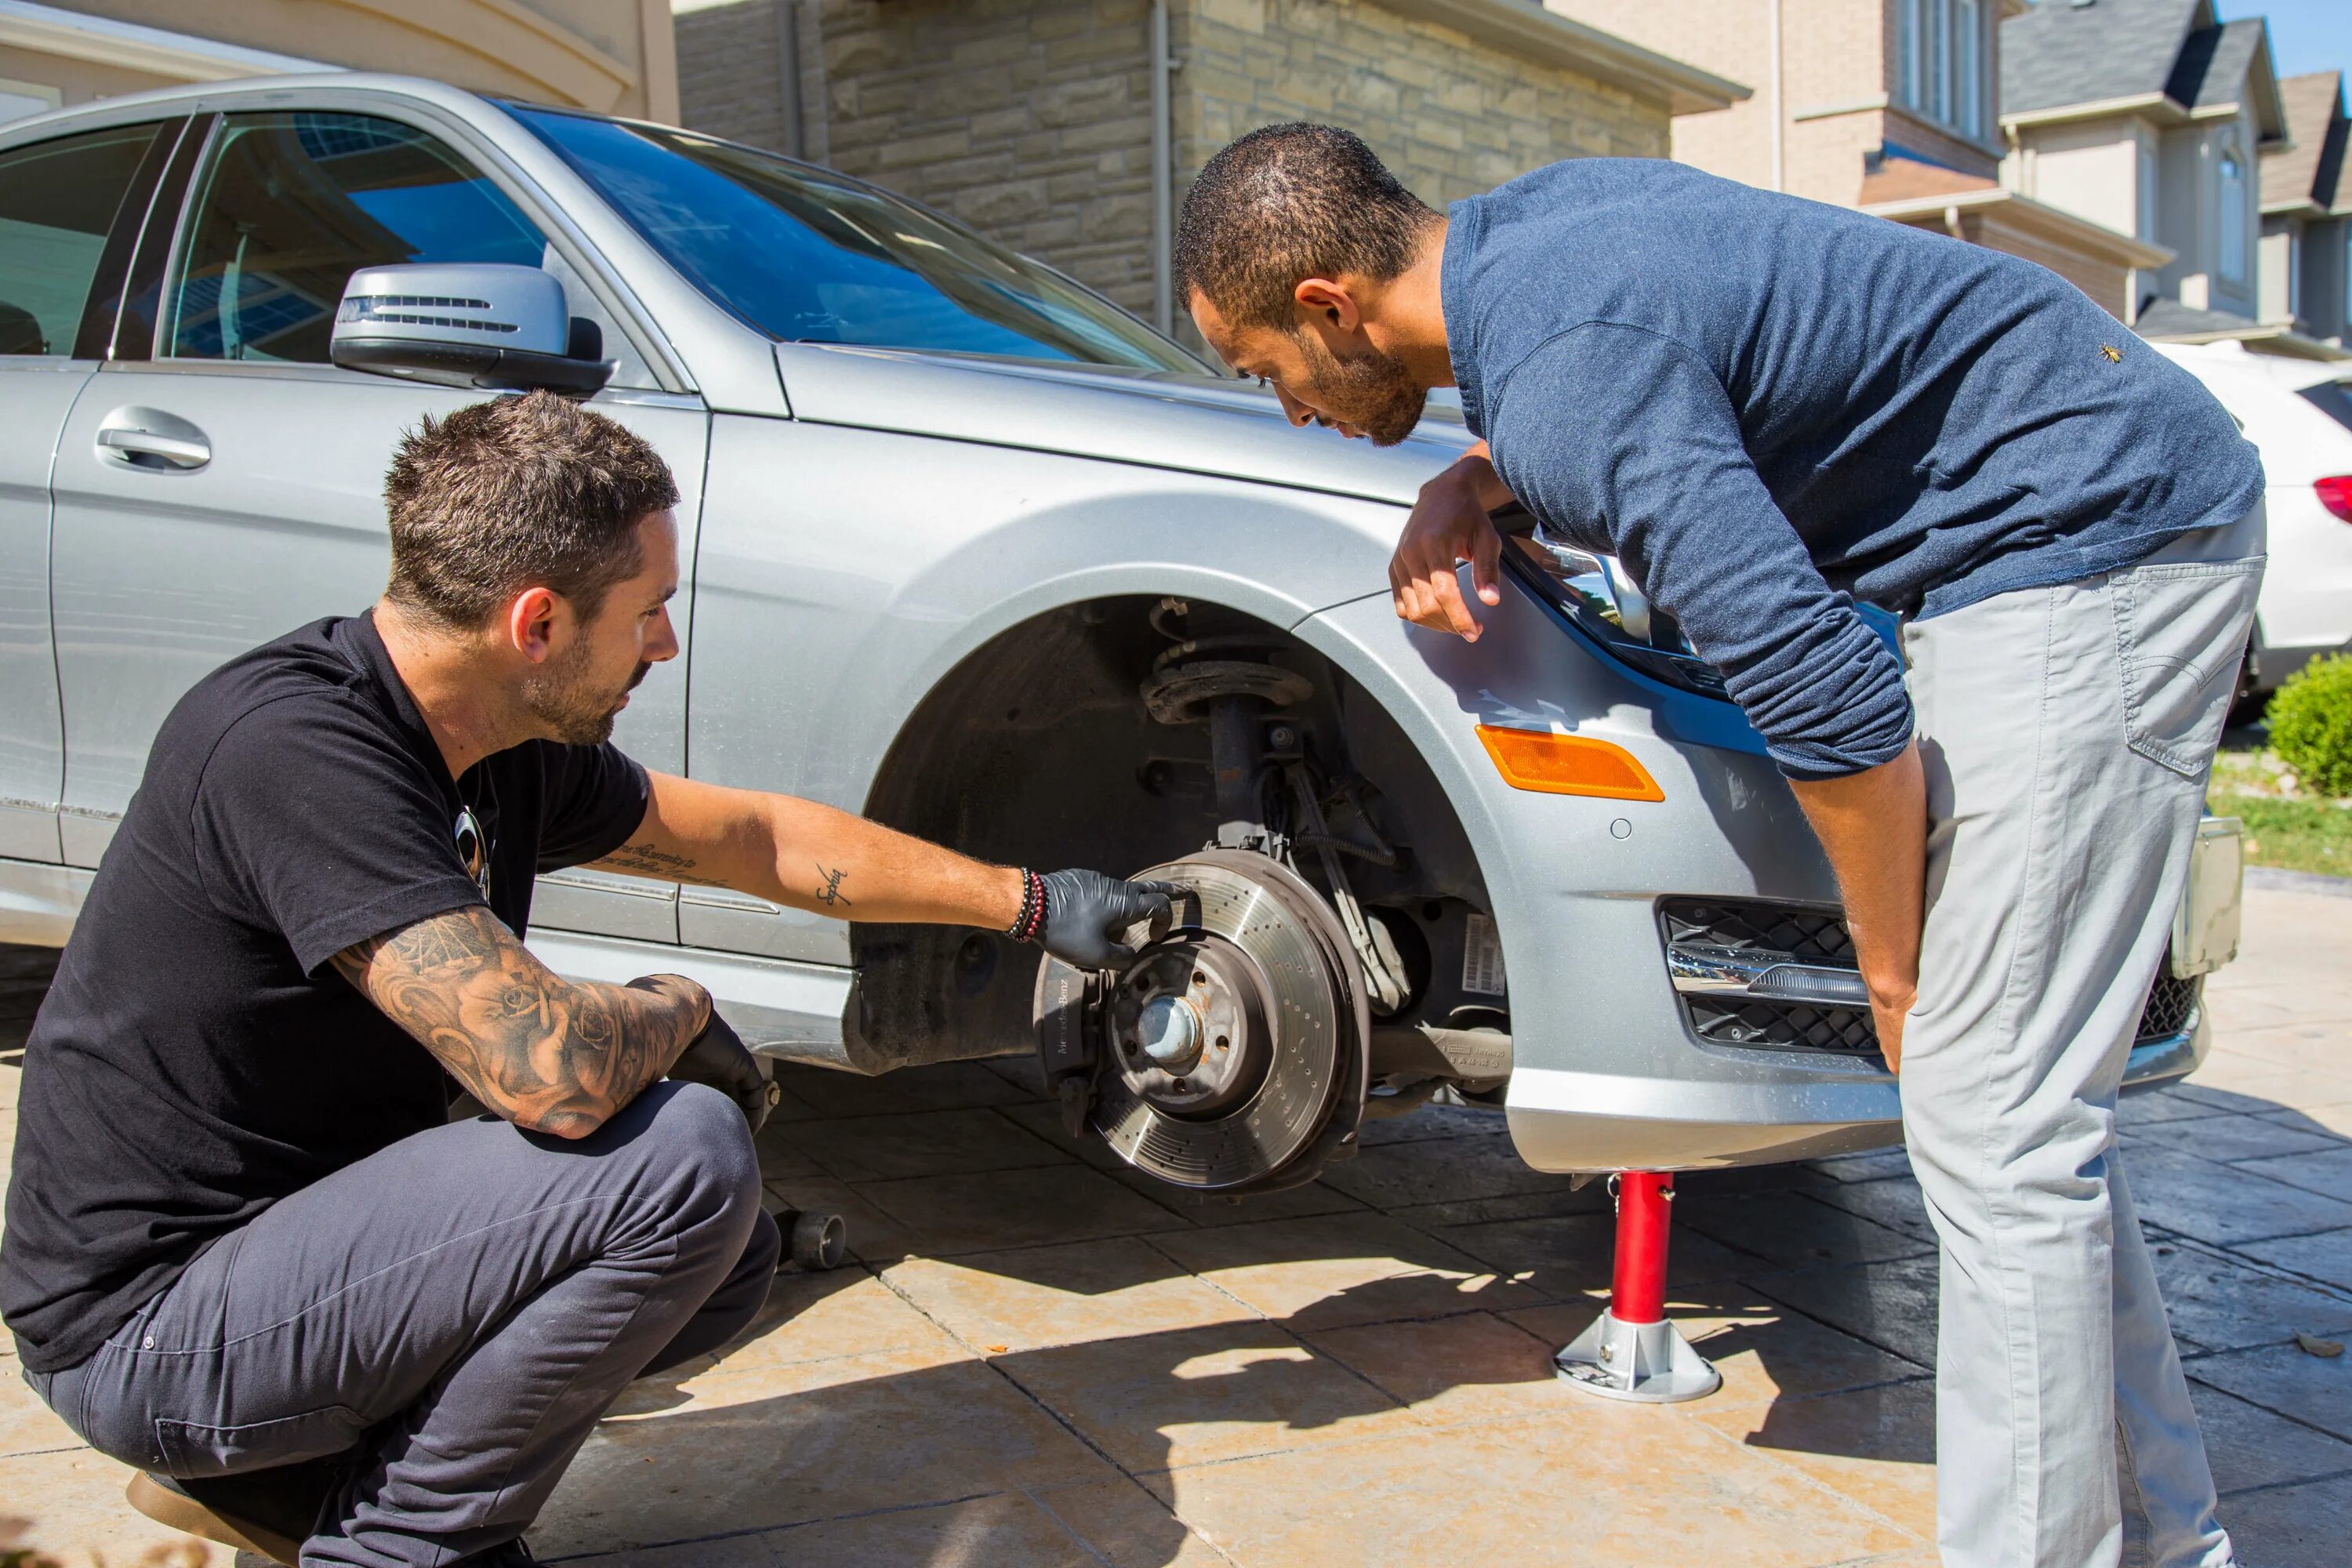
x=1188, y=1024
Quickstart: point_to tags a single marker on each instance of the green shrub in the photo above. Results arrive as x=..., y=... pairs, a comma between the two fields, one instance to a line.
x=2311, y=725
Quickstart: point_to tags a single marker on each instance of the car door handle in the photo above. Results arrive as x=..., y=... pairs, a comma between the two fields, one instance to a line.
x=131, y=438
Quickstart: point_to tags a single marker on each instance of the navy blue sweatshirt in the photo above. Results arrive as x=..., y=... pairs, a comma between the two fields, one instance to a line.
x=1768, y=407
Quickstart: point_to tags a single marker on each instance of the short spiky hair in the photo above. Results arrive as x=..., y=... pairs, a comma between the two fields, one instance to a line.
x=518, y=493
x=1290, y=202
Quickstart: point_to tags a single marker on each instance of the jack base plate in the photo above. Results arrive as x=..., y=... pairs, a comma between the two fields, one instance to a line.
x=1647, y=1363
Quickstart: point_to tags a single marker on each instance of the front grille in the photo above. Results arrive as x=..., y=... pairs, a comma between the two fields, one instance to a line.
x=2171, y=1002
x=1781, y=1026
x=1818, y=936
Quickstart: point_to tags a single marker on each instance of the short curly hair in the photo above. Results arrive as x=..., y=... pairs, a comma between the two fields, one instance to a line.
x=516, y=493
x=1286, y=203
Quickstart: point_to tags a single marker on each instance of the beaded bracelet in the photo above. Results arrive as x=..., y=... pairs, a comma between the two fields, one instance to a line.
x=1031, y=920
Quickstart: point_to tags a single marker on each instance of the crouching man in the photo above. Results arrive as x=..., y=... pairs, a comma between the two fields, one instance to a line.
x=246, y=1251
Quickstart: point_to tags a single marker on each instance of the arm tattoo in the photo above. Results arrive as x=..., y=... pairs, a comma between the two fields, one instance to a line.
x=831, y=892
x=547, y=1053
x=648, y=860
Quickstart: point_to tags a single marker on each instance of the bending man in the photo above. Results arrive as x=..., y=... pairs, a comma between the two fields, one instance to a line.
x=1768, y=408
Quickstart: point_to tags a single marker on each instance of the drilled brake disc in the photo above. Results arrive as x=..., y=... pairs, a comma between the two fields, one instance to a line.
x=1232, y=1051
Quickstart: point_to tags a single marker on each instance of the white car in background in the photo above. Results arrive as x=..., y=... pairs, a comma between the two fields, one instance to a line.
x=2298, y=412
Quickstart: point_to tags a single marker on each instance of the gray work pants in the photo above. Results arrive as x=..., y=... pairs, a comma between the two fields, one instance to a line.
x=460, y=1307
x=2066, y=734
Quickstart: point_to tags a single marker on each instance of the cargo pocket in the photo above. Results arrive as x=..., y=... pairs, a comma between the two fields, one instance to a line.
x=2181, y=631
x=193, y=1452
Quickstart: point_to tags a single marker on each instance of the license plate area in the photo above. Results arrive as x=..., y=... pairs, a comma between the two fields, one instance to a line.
x=2205, y=928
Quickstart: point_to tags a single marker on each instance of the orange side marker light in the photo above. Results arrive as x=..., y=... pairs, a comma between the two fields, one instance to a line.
x=1552, y=763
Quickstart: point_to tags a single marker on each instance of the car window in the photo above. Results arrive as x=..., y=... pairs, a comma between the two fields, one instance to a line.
x=288, y=205
x=806, y=256
x=2333, y=399
x=57, y=201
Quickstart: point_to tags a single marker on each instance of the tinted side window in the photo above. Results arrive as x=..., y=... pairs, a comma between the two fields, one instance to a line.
x=289, y=205
x=2333, y=399
x=58, y=200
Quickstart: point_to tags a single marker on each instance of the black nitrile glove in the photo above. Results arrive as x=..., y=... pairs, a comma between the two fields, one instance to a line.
x=718, y=1057
x=1087, y=912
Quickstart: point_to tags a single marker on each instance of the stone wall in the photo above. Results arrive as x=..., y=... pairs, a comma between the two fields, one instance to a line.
x=1450, y=115
x=730, y=62
x=1030, y=120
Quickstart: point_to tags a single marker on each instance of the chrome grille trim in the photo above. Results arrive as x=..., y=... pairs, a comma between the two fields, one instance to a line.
x=1773, y=976
x=1707, y=970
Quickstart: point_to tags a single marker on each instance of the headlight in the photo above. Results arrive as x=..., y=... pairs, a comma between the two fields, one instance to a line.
x=1596, y=595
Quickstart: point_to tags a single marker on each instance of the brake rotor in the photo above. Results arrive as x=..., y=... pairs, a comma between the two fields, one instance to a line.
x=1230, y=1054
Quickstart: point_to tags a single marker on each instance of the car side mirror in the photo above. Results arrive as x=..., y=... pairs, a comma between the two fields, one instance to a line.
x=471, y=325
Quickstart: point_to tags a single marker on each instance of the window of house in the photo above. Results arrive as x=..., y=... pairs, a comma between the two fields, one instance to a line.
x=2145, y=225
x=1906, y=49
x=1967, y=55
x=1939, y=59
x=2233, y=216
x=2294, y=272
x=1940, y=68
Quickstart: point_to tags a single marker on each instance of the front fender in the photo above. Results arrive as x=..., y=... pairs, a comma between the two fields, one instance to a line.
x=1605, y=1073
x=842, y=573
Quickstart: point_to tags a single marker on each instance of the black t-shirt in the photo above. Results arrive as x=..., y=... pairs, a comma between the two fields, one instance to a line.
x=197, y=1057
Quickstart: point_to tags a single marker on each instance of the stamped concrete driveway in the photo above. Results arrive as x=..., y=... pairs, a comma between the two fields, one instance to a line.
x=1038, y=1358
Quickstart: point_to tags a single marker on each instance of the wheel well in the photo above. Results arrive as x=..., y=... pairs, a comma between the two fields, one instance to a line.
x=1038, y=750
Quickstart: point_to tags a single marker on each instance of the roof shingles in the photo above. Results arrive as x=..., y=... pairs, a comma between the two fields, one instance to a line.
x=2060, y=53
x=2211, y=69
x=2308, y=171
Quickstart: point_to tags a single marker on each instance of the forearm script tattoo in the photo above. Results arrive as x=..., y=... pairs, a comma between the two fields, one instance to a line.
x=830, y=893
x=647, y=860
x=551, y=1055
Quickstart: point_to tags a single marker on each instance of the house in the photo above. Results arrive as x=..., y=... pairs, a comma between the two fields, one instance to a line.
x=2306, y=249
x=1069, y=129
x=2151, y=117
x=1891, y=106
x=608, y=55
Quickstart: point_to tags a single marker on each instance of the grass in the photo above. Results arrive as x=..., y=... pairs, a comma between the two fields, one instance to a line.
x=2292, y=835
x=2285, y=827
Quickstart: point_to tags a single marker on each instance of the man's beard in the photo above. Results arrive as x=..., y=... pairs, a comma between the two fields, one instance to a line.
x=574, y=711
x=1369, y=390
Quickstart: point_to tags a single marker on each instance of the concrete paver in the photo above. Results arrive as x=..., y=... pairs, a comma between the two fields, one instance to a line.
x=1328, y=1270
x=1664, y=1488
x=2287, y=1379
x=2223, y=1302
x=1876, y=1446
x=1763, y=1350
x=2326, y=1256
x=1041, y=1358
x=1062, y=1295
x=2309, y=1523
x=2256, y=1448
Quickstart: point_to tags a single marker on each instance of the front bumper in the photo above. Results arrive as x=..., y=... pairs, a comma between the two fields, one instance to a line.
x=1607, y=1072
x=1568, y=1120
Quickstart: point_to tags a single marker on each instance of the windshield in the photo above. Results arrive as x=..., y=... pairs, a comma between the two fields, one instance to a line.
x=810, y=257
